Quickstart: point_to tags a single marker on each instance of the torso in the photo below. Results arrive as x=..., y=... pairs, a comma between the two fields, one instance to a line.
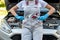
x=29, y=11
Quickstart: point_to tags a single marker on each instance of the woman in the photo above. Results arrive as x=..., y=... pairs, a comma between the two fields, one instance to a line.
x=32, y=21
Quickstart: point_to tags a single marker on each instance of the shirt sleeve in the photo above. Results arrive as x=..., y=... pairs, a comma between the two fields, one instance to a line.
x=43, y=3
x=19, y=5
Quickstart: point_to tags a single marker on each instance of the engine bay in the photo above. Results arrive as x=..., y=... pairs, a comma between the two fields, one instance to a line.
x=52, y=22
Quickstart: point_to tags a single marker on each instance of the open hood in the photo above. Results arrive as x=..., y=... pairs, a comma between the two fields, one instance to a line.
x=3, y=11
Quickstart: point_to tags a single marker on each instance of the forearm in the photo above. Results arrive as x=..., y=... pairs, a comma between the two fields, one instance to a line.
x=13, y=9
x=13, y=12
x=51, y=11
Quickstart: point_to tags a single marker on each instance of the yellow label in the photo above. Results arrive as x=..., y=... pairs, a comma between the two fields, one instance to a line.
x=3, y=11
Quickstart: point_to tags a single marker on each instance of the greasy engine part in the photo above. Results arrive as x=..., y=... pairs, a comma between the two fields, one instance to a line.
x=11, y=19
x=14, y=23
x=52, y=23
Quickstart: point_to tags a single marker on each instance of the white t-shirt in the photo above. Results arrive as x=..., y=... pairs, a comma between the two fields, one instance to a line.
x=22, y=3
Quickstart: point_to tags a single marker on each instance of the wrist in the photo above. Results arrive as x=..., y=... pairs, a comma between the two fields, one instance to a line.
x=47, y=15
x=44, y=17
x=16, y=15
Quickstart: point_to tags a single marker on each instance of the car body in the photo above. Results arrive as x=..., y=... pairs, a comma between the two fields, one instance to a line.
x=11, y=28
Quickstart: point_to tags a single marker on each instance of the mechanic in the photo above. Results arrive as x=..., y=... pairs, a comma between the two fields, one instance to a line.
x=32, y=23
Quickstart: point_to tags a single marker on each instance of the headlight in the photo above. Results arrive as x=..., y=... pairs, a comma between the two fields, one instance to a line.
x=4, y=26
x=6, y=30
